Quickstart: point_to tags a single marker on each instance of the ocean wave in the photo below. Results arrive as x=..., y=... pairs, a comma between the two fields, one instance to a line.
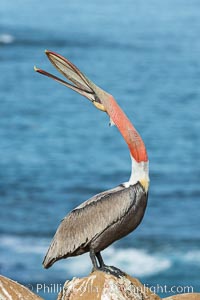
x=136, y=262
x=192, y=256
x=33, y=40
x=23, y=244
x=6, y=38
x=133, y=261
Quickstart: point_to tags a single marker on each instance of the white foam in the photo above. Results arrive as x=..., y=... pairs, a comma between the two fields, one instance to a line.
x=23, y=245
x=6, y=38
x=192, y=256
x=136, y=262
x=75, y=266
x=133, y=261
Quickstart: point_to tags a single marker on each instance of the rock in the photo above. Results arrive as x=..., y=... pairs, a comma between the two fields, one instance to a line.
x=103, y=286
x=11, y=290
x=189, y=296
x=97, y=286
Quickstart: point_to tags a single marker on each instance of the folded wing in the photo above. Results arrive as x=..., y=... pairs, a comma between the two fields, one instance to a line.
x=86, y=222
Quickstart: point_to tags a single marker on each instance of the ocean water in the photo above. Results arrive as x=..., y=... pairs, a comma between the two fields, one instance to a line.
x=57, y=150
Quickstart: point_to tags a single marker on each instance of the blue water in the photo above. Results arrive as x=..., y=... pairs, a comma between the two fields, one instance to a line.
x=57, y=150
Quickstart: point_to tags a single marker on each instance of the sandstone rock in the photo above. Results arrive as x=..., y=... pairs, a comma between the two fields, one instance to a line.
x=102, y=286
x=96, y=286
x=11, y=290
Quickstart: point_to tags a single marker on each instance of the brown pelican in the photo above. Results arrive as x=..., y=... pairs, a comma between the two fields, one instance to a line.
x=110, y=215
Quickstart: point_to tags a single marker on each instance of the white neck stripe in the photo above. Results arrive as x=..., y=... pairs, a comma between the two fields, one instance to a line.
x=139, y=172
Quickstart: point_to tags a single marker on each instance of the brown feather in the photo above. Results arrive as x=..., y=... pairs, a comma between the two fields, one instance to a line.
x=83, y=227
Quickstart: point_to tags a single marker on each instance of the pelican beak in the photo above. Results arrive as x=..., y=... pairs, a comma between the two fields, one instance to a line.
x=101, y=100
x=79, y=82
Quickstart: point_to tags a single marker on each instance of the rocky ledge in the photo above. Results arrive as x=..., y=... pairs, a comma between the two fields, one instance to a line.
x=12, y=290
x=102, y=286
x=97, y=286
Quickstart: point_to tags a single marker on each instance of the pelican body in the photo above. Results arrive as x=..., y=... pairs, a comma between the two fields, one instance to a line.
x=110, y=215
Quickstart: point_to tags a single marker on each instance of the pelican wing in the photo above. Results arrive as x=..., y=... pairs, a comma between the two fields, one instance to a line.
x=86, y=222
